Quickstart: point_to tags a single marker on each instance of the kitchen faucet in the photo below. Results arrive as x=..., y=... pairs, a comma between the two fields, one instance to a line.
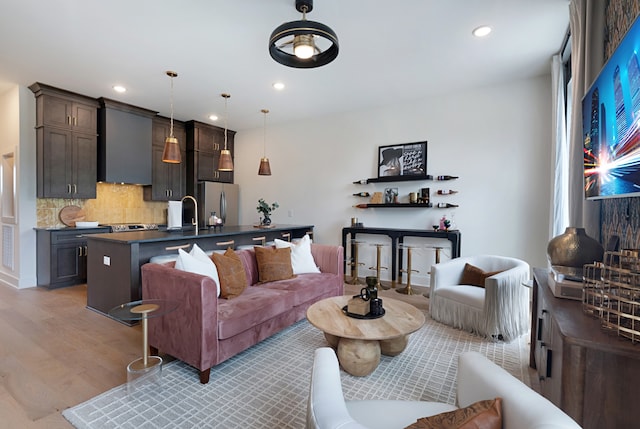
x=195, y=206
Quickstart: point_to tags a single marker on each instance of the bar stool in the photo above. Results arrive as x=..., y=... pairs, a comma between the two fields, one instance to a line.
x=438, y=251
x=354, y=263
x=407, y=290
x=378, y=267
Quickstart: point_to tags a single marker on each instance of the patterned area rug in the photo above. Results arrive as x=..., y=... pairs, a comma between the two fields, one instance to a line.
x=267, y=385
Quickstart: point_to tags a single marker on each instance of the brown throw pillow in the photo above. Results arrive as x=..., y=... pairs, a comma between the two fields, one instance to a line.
x=273, y=264
x=233, y=279
x=472, y=275
x=483, y=414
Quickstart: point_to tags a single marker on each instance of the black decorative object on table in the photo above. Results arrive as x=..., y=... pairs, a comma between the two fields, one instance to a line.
x=368, y=316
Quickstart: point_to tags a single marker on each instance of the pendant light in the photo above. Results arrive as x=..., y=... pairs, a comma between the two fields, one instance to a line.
x=225, y=163
x=265, y=168
x=301, y=50
x=171, y=152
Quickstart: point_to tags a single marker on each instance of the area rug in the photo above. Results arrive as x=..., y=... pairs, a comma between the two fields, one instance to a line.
x=267, y=385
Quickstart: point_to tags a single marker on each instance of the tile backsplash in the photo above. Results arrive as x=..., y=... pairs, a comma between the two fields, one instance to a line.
x=114, y=203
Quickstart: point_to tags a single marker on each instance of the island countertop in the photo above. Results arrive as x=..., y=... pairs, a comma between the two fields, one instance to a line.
x=149, y=236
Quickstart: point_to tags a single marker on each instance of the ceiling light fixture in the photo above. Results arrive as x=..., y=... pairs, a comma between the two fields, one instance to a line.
x=279, y=86
x=171, y=152
x=265, y=167
x=119, y=88
x=225, y=163
x=481, y=31
x=303, y=47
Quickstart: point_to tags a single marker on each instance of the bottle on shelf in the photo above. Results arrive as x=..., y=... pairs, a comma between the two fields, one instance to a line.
x=446, y=192
x=361, y=182
x=362, y=194
x=446, y=205
x=447, y=177
x=361, y=206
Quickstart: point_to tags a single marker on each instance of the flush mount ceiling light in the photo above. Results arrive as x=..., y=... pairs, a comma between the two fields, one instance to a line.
x=312, y=44
x=171, y=152
x=265, y=167
x=481, y=31
x=225, y=163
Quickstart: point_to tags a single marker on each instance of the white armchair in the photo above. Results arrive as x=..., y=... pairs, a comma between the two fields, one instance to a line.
x=500, y=310
x=477, y=379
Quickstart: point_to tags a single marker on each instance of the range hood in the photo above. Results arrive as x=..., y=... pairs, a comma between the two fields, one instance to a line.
x=124, y=143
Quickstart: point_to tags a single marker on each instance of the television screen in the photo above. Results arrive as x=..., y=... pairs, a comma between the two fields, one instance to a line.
x=611, y=124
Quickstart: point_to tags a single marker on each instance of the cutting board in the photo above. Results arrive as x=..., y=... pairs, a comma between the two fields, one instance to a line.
x=70, y=214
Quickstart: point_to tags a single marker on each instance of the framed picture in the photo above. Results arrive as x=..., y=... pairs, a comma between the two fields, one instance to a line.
x=408, y=159
x=390, y=195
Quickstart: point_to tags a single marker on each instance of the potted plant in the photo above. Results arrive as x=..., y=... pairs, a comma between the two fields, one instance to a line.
x=265, y=209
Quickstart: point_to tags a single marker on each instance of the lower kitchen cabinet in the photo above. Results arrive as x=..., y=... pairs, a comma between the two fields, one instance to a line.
x=593, y=376
x=62, y=256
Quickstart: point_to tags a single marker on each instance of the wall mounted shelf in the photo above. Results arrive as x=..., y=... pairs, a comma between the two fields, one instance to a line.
x=394, y=205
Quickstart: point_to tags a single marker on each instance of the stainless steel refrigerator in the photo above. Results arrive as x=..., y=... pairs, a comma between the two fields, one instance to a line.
x=221, y=198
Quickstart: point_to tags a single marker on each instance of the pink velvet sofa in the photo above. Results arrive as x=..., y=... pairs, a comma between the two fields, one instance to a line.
x=206, y=330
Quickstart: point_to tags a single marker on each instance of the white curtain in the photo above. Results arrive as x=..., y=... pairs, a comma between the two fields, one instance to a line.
x=586, y=19
x=560, y=161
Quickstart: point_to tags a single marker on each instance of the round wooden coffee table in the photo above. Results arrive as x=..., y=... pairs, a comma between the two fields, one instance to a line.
x=359, y=342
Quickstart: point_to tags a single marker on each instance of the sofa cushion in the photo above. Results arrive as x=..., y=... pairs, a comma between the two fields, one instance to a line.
x=475, y=276
x=301, y=258
x=197, y=262
x=273, y=264
x=254, y=306
x=233, y=279
x=482, y=414
x=304, y=287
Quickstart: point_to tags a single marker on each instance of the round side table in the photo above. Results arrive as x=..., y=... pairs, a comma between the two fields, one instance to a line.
x=147, y=368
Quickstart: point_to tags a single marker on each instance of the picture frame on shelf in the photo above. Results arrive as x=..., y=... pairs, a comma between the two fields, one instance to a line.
x=409, y=159
x=390, y=195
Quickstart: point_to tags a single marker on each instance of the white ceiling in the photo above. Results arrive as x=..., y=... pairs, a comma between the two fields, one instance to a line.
x=390, y=51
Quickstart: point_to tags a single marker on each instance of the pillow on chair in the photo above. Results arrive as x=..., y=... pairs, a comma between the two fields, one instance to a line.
x=482, y=414
x=472, y=275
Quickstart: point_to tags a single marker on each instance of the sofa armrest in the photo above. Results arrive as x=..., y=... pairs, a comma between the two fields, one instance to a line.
x=190, y=332
x=330, y=259
x=447, y=273
x=480, y=379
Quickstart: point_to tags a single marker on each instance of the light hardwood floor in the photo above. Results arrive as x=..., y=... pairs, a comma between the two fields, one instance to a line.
x=55, y=353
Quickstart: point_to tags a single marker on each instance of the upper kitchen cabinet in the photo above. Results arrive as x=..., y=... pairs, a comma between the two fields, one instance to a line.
x=124, y=144
x=168, y=180
x=204, y=143
x=66, y=125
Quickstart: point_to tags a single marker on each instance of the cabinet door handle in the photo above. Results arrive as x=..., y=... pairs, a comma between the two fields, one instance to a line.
x=86, y=251
x=75, y=121
x=549, y=362
x=75, y=188
x=80, y=251
x=182, y=246
x=68, y=119
x=226, y=243
x=539, y=333
x=68, y=188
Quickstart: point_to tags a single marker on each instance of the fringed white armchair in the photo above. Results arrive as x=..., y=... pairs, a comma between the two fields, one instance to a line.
x=487, y=297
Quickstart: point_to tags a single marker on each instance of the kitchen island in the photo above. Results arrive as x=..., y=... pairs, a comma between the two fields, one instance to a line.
x=114, y=259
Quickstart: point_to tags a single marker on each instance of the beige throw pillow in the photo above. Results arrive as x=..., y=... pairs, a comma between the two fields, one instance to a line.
x=482, y=414
x=233, y=279
x=273, y=264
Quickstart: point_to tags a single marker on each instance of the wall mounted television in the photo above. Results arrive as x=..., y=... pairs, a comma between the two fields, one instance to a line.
x=611, y=124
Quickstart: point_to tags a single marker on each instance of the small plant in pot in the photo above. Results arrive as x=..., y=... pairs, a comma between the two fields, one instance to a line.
x=265, y=210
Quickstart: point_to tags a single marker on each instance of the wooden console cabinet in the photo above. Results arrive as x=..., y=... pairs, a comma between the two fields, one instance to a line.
x=591, y=375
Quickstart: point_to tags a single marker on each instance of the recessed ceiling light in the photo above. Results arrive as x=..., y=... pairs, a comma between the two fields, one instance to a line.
x=278, y=85
x=213, y=117
x=119, y=88
x=482, y=31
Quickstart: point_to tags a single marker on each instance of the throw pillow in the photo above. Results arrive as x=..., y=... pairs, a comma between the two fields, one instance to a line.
x=482, y=414
x=472, y=275
x=273, y=264
x=233, y=279
x=301, y=258
x=197, y=262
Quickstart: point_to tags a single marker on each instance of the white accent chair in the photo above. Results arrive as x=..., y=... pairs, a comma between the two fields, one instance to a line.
x=500, y=310
x=478, y=379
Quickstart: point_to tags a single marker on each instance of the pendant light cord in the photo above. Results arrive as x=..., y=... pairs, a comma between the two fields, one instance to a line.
x=264, y=136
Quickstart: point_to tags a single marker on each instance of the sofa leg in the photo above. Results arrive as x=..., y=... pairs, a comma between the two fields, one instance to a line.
x=204, y=376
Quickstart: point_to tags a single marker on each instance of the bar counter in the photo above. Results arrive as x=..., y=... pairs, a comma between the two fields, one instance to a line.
x=114, y=259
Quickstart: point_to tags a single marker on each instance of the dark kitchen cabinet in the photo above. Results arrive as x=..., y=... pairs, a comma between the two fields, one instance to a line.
x=204, y=143
x=592, y=375
x=62, y=256
x=168, y=180
x=66, y=126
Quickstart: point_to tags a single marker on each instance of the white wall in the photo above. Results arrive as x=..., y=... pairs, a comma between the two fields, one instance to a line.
x=497, y=139
x=17, y=136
